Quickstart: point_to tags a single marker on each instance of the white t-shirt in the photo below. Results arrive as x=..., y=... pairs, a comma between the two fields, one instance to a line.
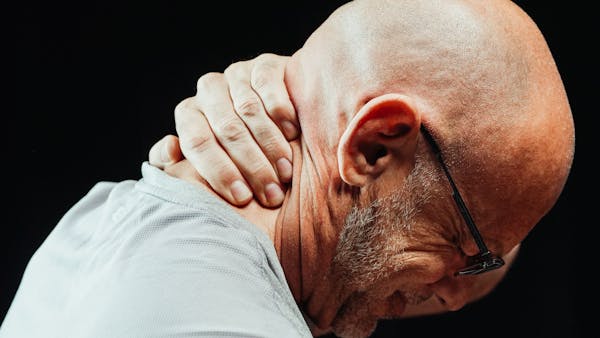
x=157, y=257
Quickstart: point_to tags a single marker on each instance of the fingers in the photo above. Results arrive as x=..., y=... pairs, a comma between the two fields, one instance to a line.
x=249, y=107
x=267, y=80
x=237, y=140
x=235, y=131
x=224, y=144
x=205, y=153
x=165, y=152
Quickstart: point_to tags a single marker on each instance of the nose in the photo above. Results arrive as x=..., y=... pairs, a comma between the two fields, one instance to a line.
x=451, y=292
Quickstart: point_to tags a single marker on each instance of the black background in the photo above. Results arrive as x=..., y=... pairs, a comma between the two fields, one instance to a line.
x=92, y=85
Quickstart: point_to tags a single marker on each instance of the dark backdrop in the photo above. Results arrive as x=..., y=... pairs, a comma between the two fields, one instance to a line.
x=92, y=85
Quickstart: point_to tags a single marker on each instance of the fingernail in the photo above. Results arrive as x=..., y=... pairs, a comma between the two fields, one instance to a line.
x=274, y=193
x=284, y=168
x=241, y=193
x=289, y=129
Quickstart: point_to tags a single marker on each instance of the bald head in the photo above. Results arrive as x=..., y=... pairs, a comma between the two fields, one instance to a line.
x=483, y=81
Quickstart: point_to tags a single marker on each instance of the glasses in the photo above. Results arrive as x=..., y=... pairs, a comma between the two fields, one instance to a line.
x=484, y=261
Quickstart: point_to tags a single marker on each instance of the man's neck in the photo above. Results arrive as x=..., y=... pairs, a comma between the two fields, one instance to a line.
x=263, y=218
x=302, y=229
x=305, y=236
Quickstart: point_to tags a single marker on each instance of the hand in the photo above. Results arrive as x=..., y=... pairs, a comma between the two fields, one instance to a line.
x=233, y=131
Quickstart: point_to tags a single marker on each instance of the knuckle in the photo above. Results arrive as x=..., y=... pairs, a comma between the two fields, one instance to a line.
x=267, y=67
x=248, y=108
x=269, y=141
x=181, y=107
x=266, y=137
x=234, y=68
x=261, y=173
x=231, y=131
x=260, y=79
x=275, y=104
x=222, y=172
x=216, y=109
x=205, y=81
x=267, y=60
x=272, y=149
x=198, y=143
x=183, y=112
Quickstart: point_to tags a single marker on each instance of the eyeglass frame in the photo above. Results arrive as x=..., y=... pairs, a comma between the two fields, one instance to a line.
x=484, y=261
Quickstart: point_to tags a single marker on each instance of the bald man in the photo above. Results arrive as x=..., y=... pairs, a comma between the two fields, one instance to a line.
x=435, y=135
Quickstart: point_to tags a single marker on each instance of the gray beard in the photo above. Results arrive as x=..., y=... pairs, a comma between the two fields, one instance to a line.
x=363, y=255
x=362, y=252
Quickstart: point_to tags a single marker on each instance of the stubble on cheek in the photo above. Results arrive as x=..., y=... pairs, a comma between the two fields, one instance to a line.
x=369, y=251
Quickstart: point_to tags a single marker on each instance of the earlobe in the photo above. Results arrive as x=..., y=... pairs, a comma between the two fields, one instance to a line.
x=384, y=131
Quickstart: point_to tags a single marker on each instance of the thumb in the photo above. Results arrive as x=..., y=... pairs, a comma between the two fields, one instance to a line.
x=165, y=152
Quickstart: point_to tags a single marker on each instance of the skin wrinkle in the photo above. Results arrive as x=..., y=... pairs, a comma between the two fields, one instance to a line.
x=361, y=250
x=470, y=109
x=480, y=77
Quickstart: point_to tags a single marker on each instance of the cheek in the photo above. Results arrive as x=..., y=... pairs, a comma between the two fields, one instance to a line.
x=424, y=267
x=427, y=261
x=428, y=256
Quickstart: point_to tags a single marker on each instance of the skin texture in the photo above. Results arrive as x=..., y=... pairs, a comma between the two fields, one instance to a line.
x=368, y=228
x=228, y=132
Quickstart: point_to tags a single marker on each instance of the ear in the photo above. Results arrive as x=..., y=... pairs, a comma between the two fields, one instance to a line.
x=383, y=133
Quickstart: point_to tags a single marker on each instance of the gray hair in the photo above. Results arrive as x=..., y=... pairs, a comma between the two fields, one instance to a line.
x=362, y=254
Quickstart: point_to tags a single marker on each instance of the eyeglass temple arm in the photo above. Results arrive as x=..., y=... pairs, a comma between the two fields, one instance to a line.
x=456, y=195
x=463, y=210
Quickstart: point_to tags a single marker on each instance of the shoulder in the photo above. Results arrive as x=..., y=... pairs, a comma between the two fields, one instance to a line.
x=200, y=278
x=154, y=258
